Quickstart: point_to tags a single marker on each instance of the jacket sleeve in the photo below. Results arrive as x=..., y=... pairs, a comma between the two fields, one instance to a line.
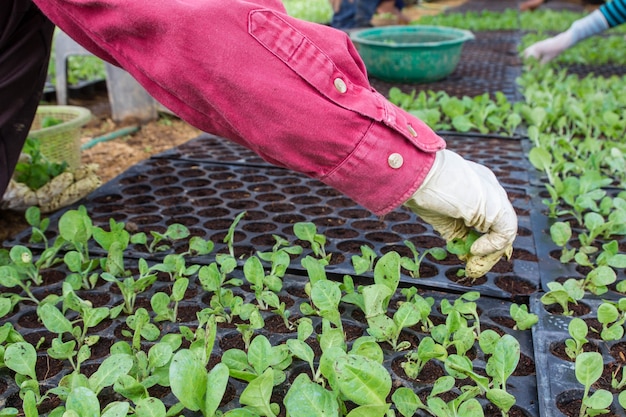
x=294, y=92
x=614, y=11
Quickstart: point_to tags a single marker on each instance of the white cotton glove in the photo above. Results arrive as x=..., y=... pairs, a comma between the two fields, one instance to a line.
x=548, y=49
x=459, y=195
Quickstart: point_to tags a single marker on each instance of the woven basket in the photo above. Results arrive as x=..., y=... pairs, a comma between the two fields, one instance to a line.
x=61, y=143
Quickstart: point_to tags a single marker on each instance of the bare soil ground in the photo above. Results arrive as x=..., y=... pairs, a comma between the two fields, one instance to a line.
x=115, y=156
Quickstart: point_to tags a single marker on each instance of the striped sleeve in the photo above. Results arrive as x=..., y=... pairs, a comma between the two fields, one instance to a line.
x=615, y=12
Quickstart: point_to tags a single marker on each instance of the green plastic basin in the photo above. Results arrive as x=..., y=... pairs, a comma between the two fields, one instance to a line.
x=414, y=54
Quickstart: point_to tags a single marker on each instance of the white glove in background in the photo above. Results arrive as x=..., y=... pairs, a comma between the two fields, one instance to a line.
x=459, y=195
x=548, y=49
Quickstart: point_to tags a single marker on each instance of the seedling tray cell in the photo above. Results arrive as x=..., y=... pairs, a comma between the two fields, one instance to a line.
x=556, y=380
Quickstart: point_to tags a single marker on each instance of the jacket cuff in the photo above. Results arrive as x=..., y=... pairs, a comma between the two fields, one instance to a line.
x=383, y=171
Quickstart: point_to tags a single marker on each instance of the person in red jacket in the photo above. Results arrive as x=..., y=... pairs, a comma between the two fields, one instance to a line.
x=294, y=92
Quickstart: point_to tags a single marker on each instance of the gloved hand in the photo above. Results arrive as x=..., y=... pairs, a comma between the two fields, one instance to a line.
x=459, y=195
x=548, y=49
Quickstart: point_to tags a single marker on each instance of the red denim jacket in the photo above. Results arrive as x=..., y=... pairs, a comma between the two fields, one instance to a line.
x=294, y=92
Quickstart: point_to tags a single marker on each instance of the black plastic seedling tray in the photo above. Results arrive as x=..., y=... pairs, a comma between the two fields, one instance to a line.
x=556, y=380
x=493, y=314
x=206, y=197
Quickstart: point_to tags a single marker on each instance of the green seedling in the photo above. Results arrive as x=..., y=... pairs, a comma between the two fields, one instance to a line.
x=588, y=369
x=563, y=294
x=611, y=256
x=78, y=350
x=202, y=339
x=252, y=321
x=193, y=386
x=461, y=247
x=76, y=228
x=376, y=299
x=424, y=306
x=416, y=360
x=175, y=266
x=413, y=265
x=264, y=286
x=325, y=296
x=500, y=366
x=260, y=357
x=523, y=319
x=166, y=306
x=21, y=358
x=561, y=234
x=307, y=231
x=140, y=328
x=131, y=287
x=612, y=316
x=145, y=369
x=160, y=241
x=364, y=262
x=215, y=278
x=229, y=239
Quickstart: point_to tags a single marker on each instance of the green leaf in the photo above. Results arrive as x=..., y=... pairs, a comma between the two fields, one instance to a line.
x=308, y=399
x=599, y=400
x=150, y=407
x=504, y=359
x=116, y=409
x=301, y=350
x=188, y=379
x=109, y=371
x=387, y=271
x=541, y=159
x=471, y=408
x=588, y=369
x=258, y=392
x=260, y=353
x=326, y=295
x=5, y=306
x=84, y=402
x=217, y=381
x=369, y=411
x=21, y=357
x=362, y=380
x=501, y=399
x=75, y=226
x=406, y=401
x=30, y=404
x=561, y=233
